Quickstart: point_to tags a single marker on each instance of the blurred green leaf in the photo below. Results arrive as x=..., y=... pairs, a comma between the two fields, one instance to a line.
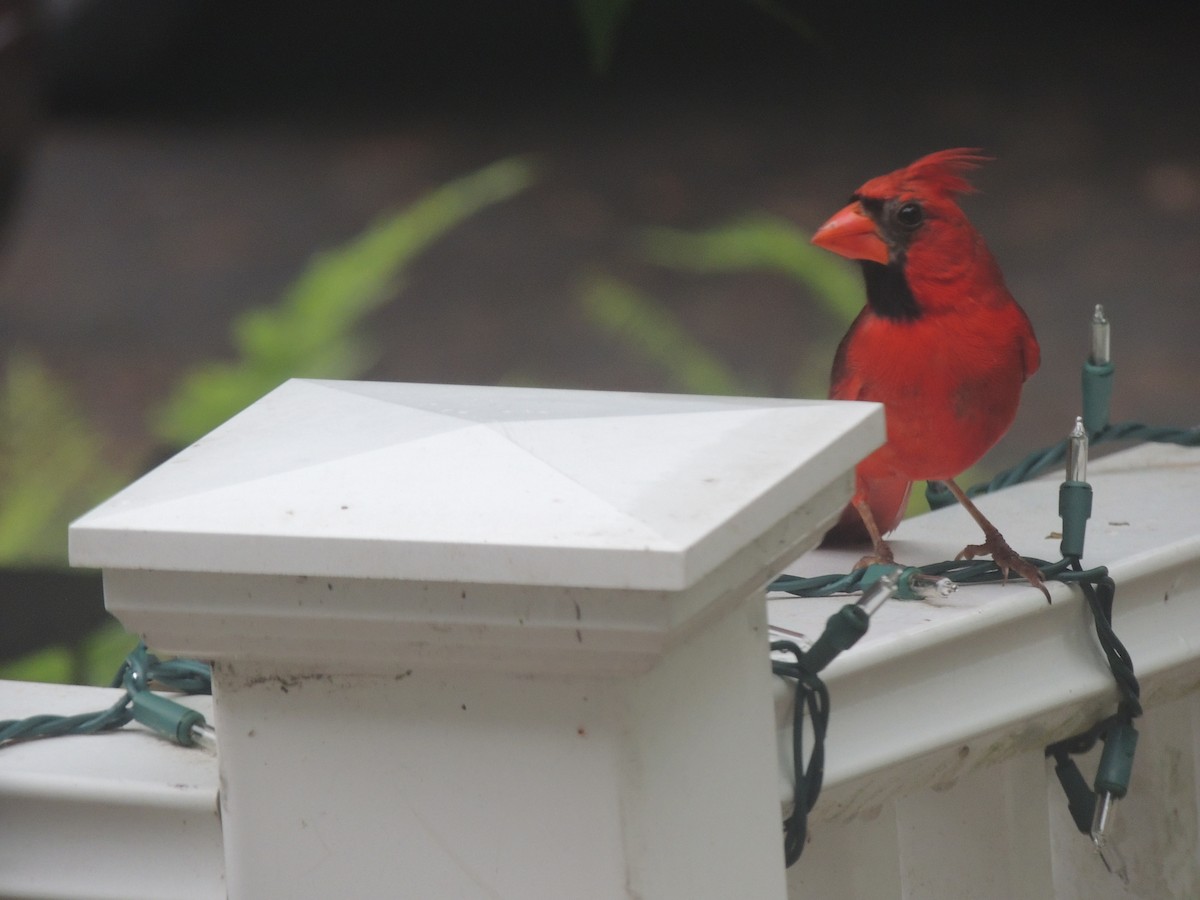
x=101, y=655
x=311, y=332
x=52, y=467
x=652, y=331
x=601, y=20
x=761, y=243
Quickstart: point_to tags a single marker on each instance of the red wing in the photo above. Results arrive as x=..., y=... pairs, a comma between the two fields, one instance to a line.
x=1031, y=353
x=843, y=383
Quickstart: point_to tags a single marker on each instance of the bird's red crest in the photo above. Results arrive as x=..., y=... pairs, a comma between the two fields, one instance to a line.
x=941, y=172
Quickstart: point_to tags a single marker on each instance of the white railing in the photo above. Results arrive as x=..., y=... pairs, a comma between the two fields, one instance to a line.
x=124, y=814
x=476, y=642
x=936, y=782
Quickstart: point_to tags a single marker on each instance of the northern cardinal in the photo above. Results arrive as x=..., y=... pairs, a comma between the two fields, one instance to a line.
x=941, y=344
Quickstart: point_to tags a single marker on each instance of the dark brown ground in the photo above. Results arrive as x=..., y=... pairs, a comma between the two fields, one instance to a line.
x=161, y=201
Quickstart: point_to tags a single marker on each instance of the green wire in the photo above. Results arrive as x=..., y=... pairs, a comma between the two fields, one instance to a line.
x=1048, y=458
x=959, y=571
x=135, y=675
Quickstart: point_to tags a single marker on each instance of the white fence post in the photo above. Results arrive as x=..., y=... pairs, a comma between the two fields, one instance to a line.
x=476, y=642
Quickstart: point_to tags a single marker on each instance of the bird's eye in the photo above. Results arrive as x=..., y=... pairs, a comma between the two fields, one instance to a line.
x=910, y=215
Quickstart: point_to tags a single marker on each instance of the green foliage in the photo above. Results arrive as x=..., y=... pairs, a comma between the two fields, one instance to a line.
x=311, y=332
x=95, y=662
x=759, y=243
x=762, y=243
x=52, y=467
x=51, y=461
x=655, y=333
x=601, y=20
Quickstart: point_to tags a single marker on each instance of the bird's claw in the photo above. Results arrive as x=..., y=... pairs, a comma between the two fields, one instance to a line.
x=1006, y=560
x=881, y=556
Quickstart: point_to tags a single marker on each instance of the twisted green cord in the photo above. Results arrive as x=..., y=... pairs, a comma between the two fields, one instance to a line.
x=1049, y=457
x=140, y=669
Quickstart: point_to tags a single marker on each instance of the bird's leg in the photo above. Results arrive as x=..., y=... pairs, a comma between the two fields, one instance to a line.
x=1005, y=558
x=882, y=553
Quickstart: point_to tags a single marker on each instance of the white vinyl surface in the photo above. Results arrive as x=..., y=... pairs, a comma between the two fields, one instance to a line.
x=459, y=483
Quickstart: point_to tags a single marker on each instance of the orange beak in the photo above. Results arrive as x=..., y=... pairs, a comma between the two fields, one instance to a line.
x=852, y=234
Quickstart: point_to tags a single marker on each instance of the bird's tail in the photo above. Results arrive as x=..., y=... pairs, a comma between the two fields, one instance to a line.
x=888, y=499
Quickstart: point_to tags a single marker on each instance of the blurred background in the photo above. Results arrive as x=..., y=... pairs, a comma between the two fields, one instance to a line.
x=202, y=197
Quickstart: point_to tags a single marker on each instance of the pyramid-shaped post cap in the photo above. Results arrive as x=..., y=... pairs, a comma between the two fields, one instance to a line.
x=422, y=482
x=350, y=526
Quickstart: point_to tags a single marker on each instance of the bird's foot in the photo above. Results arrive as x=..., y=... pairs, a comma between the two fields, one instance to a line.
x=1006, y=559
x=881, y=556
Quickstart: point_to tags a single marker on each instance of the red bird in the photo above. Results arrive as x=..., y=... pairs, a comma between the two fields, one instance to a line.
x=941, y=344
